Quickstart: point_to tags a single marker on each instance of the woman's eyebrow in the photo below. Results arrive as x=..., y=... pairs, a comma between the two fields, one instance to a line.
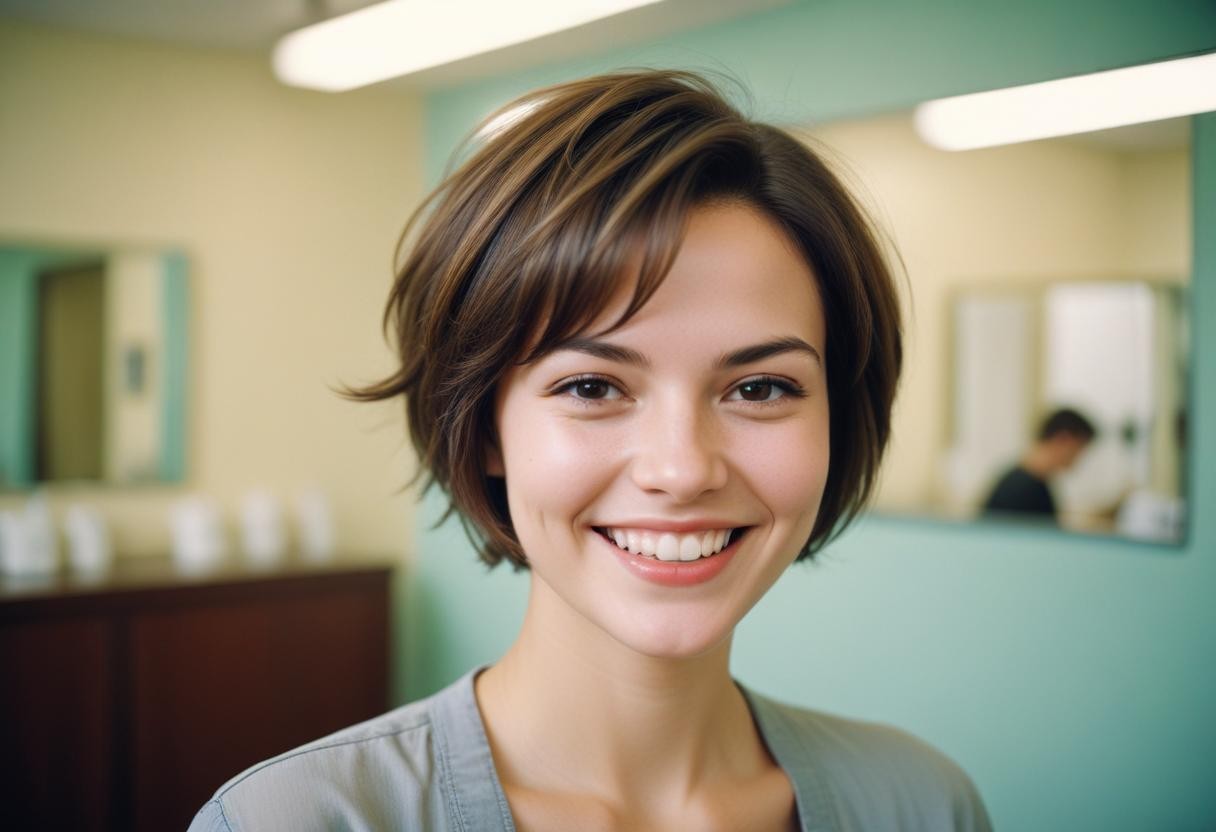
x=735, y=358
x=604, y=350
x=758, y=352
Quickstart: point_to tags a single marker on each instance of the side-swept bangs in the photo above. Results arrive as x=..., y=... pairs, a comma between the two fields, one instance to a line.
x=523, y=245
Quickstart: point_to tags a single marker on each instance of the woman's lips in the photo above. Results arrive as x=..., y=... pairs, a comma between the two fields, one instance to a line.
x=676, y=572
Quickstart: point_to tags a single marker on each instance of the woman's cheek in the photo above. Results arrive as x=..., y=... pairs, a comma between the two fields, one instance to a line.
x=788, y=465
x=560, y=462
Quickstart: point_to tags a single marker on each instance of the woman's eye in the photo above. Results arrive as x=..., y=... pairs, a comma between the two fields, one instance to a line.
x=764, y=390
x=591, y=389
x=757, y=391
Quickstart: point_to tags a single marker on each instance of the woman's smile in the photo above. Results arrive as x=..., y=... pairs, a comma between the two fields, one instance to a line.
x=674, y=559
x=670, y=545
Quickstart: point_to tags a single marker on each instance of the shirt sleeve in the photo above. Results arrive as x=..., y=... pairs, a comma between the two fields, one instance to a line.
x=210, y=818
x=970, y=814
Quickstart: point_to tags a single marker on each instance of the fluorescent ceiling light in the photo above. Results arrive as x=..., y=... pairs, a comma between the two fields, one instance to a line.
x=398, y=37
x=1070, y=105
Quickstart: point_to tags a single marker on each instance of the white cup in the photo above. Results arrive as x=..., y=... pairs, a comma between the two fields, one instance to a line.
x=263, y=535
x=198, y=535
x=89, y=549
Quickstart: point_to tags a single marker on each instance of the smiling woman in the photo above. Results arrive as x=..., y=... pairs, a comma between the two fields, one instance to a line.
x=649, y=349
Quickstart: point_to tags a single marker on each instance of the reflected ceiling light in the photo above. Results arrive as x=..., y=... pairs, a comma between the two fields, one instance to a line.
x=505, y=118
x=1079, y=104
x=398, y=37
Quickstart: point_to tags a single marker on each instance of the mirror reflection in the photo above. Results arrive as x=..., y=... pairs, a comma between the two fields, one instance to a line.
x=92, y=364
x=1047, y=324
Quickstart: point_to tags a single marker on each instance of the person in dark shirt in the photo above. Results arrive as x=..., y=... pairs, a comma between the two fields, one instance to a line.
x=1023, y=490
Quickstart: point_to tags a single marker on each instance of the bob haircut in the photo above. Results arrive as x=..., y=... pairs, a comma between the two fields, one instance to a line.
x=521, y=247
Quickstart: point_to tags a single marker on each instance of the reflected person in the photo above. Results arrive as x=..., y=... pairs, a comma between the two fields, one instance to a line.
x=1023, y=489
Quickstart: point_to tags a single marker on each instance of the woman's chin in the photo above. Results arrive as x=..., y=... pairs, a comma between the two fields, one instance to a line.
x=660, y=640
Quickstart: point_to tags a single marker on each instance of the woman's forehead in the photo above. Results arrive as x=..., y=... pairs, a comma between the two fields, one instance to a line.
x=730, y=262
x=736, y=280
x=732, y=265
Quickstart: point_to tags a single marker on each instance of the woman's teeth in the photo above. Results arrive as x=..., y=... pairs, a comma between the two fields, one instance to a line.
x=668, y=545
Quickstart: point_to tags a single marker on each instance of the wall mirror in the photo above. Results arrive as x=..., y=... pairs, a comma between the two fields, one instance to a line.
x=92, y=364
x=1046, y=276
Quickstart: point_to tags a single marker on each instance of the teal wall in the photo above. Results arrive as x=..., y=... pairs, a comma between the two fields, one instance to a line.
x=18, y=343
x=1075, y=678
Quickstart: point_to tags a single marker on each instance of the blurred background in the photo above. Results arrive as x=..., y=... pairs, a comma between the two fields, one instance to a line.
x=193, y=256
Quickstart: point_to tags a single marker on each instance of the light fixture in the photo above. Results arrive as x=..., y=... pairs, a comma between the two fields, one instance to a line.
x=1080, y=104
x=398, y=37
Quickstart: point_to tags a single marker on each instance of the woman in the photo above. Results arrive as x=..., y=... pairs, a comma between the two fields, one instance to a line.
x=649, y=349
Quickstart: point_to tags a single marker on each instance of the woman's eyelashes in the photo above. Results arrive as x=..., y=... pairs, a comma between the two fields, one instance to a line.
x=593, y=390
x=766, y=390
x=588, y=388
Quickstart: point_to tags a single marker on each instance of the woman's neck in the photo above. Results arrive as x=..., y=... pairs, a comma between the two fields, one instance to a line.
x=570, y=709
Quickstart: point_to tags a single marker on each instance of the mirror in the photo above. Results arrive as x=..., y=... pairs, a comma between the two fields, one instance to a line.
x=92, y=364
x=1044, y=278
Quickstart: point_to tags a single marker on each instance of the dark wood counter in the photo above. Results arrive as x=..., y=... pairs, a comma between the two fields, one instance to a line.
x=127, y=699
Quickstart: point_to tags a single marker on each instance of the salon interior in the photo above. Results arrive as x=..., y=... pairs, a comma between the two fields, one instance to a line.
x=209, y=556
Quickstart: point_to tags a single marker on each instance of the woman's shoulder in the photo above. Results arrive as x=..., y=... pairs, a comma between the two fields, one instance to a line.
x=363, y=776
x=869, y=775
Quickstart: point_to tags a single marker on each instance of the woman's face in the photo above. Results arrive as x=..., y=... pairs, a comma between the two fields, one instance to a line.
x=697, y=431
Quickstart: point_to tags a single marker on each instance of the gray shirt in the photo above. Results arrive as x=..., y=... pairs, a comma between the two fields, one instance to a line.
x=427, y=766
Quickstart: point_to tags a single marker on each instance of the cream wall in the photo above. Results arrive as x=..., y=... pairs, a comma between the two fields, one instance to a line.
x=287, y=204
x=1157, y=222
x=1056, y=209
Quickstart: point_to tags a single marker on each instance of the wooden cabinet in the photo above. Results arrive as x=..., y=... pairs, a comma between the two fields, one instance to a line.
x=124, y=703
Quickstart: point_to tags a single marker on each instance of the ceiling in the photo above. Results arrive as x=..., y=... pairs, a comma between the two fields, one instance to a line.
x=255, y=25
x=233, y=24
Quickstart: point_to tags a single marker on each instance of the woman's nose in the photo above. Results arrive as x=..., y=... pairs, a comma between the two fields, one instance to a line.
x=679, y=453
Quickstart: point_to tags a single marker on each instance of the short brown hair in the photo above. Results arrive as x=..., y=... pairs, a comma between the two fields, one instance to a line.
x=521, y=246
x=1066, y=420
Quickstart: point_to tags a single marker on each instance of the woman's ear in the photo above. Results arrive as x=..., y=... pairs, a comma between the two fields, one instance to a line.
x=493, y=461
